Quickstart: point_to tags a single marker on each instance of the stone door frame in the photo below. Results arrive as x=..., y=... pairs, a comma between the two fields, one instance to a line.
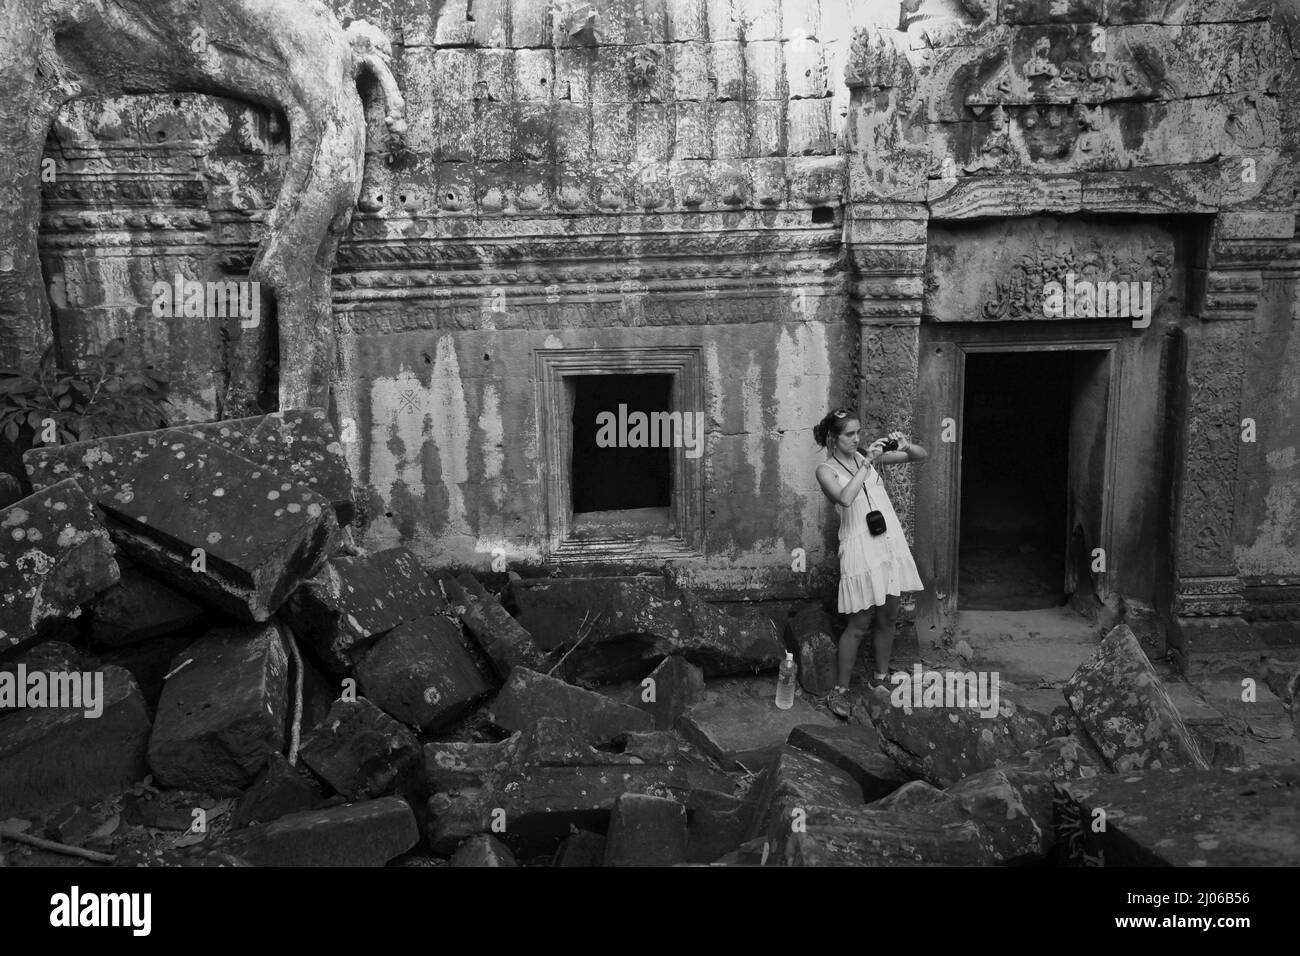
x=886, y=248
x=937, y=529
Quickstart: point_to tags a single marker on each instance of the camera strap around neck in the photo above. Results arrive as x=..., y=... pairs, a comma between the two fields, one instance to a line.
x=851, y=474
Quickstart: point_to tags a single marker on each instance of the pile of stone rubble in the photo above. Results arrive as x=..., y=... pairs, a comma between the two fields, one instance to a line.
x=273, y=696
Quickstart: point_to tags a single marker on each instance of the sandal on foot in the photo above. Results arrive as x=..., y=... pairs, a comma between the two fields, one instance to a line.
x=838, y=702
x=887, y=681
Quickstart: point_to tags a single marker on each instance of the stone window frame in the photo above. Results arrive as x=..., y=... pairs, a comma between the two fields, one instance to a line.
x=686, y=498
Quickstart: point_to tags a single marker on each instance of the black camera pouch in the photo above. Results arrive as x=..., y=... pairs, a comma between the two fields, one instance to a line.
x=875, y=520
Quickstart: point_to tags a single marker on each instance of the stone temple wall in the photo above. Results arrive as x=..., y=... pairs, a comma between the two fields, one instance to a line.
x=755, y=187
x=1107, y=112
x=656, y=174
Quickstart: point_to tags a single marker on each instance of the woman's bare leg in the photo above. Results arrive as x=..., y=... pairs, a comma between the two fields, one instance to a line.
x=883, y=635
x=858, y=626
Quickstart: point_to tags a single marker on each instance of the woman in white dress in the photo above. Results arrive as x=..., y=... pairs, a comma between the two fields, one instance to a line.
x=875, y=569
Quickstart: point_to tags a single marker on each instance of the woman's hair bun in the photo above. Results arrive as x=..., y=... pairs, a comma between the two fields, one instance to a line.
x=831, y=425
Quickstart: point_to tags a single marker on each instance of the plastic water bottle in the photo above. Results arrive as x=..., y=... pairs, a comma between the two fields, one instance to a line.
x=785, y=682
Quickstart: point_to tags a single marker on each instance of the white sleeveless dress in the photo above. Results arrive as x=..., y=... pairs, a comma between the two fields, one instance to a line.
x=871, y=567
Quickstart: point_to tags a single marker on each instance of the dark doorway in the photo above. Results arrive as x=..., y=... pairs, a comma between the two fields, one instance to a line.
x=1015, y=479
x=616, y=477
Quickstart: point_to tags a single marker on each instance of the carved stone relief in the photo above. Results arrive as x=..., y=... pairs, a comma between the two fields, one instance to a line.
x=1004, y=275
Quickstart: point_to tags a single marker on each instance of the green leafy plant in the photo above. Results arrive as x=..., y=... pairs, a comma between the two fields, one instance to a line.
x=106, y=396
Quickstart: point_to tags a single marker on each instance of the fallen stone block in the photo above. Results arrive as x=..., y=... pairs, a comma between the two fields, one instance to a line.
x=651, y=746
x=1181, y=817
x=795, y=780
x=223, y=710
x=916, y=825
x=641, y=632
x=297, y=445
x=1061, y=758
x=754, y=852
x=722, y=643
x=98, y=465
x=518, y=784
x=1126, y=711
x=139, y=608
x=151, y=661
x=47, y=658
x=556, y=742
x=528, y=696
x=420, y=673
x=631, y=624
x=54, y=556
x=461, y=765
x=355, y=834
x=483, y=850
x=279, y=790
x=718, y=824
x=740, y=729
x=646, y=831
x=502, y=638
x=50, y=756
x=1014, y=808
x=1219, y=746
x=553, y=610
x=810, y=636
x=856, y=751
x=360, y=751
x=538, y=805
x=836, y=836
x=219, y=527
x=582, y=848
x=350, y=602
x=919, y=796
x=944, y=744
x=677, y=686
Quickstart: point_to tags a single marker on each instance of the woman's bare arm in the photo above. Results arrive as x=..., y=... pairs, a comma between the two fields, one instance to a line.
x=840, y=495
x=844, y=496
x=907, y=451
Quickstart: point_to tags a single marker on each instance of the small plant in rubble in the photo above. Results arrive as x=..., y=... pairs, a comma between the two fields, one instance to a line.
x=105, y=396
